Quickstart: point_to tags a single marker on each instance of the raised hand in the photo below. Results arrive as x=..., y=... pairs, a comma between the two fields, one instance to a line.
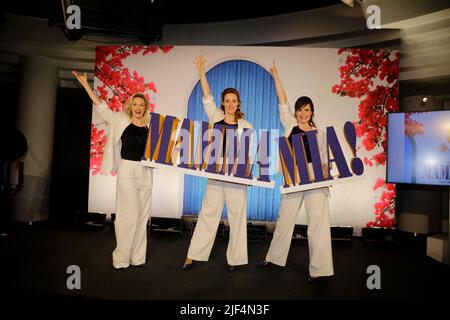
x=274, y=71
x=82, y=79
x=282, y=99
x=200, y=62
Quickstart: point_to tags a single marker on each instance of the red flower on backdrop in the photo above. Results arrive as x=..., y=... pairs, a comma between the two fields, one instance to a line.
x=379, y=183
x=98, y=140
x=118, y=84
x=367, y=162
x=372, y=77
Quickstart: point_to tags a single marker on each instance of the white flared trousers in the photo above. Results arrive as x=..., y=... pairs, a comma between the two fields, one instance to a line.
x=319, y=236
x=133, y=200
x=217, y=193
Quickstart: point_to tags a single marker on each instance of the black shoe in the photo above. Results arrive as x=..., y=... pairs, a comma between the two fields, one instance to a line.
x=312, y=280
x=263, y=264
x=187, y=266
x=230, y=268
x=121, y=269
x=142, y=265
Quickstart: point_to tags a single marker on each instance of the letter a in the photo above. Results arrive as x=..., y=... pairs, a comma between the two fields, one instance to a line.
x=374, y=281
x=74, y=280
x=74, y=20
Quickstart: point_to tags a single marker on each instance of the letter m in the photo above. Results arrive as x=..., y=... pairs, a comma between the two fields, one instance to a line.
x=161, y=138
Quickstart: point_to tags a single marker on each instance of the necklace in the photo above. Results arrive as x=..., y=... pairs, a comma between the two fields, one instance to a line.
x=138, y=122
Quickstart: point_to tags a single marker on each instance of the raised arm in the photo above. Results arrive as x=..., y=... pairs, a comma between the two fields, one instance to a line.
x=82, y=79
x=200, y=64
x=282, y=99
x=102, y=108
x=287, y=118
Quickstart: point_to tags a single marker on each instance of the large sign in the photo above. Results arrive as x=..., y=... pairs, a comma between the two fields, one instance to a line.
x=199, y=148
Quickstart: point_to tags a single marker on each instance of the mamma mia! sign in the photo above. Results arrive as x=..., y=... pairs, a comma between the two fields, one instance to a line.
x=248, y=156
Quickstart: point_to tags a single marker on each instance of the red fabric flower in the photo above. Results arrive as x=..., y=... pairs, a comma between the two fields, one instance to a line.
x=363, y=68
x=379, y=183
x=367, y=162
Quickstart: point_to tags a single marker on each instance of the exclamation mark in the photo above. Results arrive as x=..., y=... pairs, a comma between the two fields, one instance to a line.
x=356, y=163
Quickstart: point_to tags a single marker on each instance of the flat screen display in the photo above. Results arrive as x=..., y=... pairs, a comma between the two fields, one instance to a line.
x=419, y=148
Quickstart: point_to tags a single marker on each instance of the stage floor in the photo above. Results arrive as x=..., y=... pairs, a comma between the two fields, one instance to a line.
x=35, y=261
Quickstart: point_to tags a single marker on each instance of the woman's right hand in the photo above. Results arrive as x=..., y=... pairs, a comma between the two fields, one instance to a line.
x=274, y=71
x=82, y=79
x=200, y=62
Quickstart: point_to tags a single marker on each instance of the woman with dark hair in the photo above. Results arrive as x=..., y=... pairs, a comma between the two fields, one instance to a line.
x=124, y=148
x=316, y=200
x=218, y=192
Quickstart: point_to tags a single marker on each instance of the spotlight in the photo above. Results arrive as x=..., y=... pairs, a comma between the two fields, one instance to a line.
x=424, y=101
x=350, y=3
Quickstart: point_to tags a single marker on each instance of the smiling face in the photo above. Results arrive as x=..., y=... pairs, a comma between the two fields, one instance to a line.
x=304, y=115
x=137, y=108
x=230, y=103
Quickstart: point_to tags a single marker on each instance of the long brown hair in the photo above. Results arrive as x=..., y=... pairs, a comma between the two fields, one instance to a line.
x=239, y=114
x=302, y=102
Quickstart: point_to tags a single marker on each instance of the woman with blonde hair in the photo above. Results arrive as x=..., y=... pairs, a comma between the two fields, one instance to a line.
x=124, y=148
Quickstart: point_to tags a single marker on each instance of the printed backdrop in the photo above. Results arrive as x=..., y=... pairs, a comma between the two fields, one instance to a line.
x=345, y=85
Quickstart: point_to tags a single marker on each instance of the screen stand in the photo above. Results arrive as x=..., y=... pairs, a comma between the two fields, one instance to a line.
x=437, y=245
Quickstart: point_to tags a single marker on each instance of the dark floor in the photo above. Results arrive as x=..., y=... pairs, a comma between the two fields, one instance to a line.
x=35, y=260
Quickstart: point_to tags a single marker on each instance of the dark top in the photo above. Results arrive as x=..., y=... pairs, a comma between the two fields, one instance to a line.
x=134, y=139
x=297, y=130
x=227, y=126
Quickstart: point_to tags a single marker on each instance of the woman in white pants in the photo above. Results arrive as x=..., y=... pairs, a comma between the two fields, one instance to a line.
x=217, y=192
x=124, y=148
x=316, y=200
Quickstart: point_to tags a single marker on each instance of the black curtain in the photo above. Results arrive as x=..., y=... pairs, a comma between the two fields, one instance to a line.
x=70, y=170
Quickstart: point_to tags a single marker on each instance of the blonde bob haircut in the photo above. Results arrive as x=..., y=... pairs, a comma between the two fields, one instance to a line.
x=129, y=103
